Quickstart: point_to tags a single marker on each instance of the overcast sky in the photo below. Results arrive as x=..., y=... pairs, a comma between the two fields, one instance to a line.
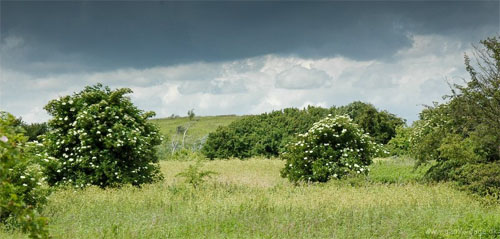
x=239, y=57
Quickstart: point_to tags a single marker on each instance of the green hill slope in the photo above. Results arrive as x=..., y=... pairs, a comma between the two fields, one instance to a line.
x=197, y=130
x=198, y=127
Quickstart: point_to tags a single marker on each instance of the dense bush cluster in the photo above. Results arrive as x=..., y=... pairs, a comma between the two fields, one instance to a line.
x=332, y=148
x=461, y=138
x=381, y=125
x=264, y=134
x=268, y=133
x=21, y=193
x=98, y=137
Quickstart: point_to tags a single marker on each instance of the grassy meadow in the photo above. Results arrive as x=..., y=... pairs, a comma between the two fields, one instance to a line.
x=249, y=199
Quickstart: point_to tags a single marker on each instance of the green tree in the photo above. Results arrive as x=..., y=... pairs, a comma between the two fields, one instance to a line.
x=191, y=114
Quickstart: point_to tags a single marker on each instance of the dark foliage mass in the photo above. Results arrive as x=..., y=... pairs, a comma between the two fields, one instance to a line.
x=267, y=134
x=32, y=130
x=381, y=125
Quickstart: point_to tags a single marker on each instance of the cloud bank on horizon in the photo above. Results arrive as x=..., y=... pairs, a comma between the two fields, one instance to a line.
x=239, y=57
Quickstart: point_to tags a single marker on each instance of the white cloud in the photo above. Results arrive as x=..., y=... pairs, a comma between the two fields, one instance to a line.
x=414, y=76
x=299, y=77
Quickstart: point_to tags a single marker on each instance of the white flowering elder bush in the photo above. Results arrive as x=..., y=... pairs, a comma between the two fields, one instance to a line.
x=21, y=190
x=98, y=137
x=331, y=148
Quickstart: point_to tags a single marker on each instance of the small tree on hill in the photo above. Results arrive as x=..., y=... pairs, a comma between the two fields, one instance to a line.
x=191, y=114
x=99, y=137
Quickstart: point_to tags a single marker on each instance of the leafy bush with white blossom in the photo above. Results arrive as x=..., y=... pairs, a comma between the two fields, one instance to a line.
x=21, y=190
x=331, y=148
x=98, y=137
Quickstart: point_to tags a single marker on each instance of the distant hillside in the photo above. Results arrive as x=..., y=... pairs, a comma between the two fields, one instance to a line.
x=198, y=128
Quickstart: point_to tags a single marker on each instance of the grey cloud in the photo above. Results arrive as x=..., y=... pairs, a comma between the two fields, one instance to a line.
x=192, y=87
x=224, y=86
x=434, y=87
x=299, y=77
x=217, y=86
x=375, y=76
x=98, y=36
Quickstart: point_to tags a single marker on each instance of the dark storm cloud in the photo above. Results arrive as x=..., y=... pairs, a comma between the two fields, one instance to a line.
x=107, y=35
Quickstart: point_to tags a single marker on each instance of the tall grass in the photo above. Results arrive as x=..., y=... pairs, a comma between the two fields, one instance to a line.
x=248, y=199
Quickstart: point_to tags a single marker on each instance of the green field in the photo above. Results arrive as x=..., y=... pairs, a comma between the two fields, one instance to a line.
x=198, y=127
x=248, y=199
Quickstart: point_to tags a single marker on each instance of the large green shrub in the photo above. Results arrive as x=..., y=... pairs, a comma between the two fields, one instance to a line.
x=454, y=152
x=481, y=178
x=21, y=194
x=98, y=137
x=331, y=148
